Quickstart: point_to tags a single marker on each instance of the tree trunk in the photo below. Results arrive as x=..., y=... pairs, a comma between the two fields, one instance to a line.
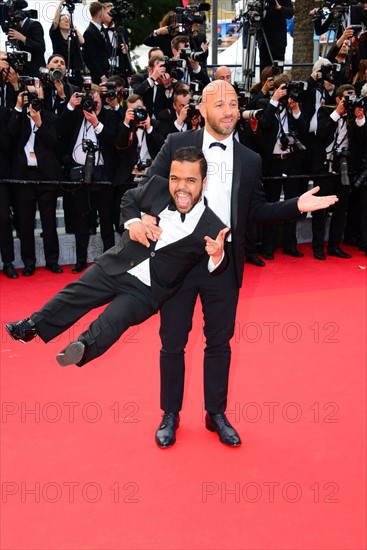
x=303, y=38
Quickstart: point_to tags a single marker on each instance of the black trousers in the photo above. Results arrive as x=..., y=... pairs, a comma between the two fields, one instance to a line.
x=219, y=297
x=130, y=302
x=330, y=186
x=6, y=227
x=290, y=165
x=84, y=199
x=28, y=197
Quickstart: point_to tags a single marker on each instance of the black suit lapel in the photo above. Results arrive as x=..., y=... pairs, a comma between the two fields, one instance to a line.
x=199, y=136
x=236, y=180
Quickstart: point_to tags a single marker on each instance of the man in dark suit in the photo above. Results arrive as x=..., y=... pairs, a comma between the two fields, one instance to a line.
x=96, y=46
x=98, y=127
x=275, y=30
x=138, y=275
x=155, y=90
x=235, y=193
x=34, y=158
x=29, y=37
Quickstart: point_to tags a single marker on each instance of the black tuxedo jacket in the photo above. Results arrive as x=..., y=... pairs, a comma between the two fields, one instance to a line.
x=166, y=122
x=146, y=91
x=35, y=45
x=269, y=126
x=5, y=144
x=127, y=145
x=248, y=199
x=168, y=265
x=69, y=127
x=44, y=145
x=96, y=53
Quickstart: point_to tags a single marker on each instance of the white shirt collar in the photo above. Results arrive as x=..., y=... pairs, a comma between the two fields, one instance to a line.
x=208, y=139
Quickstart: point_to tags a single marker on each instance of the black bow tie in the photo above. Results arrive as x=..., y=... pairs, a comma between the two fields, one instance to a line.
x=172, y=208
x=218, y=144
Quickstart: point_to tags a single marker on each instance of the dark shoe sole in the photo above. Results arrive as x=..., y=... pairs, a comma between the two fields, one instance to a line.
x=71, y=355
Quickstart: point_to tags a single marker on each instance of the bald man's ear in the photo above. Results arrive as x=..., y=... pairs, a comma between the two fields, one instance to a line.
x=202, y=109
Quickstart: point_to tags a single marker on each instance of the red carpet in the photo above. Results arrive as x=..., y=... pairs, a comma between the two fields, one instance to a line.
x=79, y=466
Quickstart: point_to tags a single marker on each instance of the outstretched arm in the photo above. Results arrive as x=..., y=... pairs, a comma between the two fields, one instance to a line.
x=309, y=203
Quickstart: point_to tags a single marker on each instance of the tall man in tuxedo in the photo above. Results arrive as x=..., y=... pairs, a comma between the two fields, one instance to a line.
x=235, y=193
x=138, y=274
x=96, y=45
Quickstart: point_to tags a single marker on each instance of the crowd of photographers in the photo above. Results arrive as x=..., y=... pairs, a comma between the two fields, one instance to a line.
x=87, y=118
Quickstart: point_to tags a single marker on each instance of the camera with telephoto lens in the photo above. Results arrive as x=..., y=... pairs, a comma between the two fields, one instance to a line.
x=251, y=114
x=90, y=148
x=295, y=89
x=361, y=179
x=328, y=72
x=18, y=59
x=48, y=76
x=12, y=14
x=26, y=81
x=140, y=115
x=187, y=54
x=33, y=100
x=196, y=88
x=256, y=11
x=341, y=161
x=186, y=17
x=289, y=140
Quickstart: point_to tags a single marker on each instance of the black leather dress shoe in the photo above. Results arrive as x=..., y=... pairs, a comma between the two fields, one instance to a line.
x=73, y=354
x=54, y=268
x=293, y=252
x=78, y=267
x=28, y=271
x=255, y=260
x=319, y=255
x=9, y=271
x=338, y=252
x=24, y=330
x=219, y=423
x=165, y=436
x=268, y=256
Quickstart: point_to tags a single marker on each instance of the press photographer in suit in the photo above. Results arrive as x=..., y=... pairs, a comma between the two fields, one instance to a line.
x=96, y=47
x=275, y=29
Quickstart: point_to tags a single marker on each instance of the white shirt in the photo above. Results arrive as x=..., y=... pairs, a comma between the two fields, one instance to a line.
x=218, y=191
x=173, y=230
x=87, y=132
x=29, y=146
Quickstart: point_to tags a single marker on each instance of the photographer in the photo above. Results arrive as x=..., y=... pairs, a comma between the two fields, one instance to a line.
x=6, y=227
x=56, y=91
x=85, y=126
x=27, y=35
x=34, y=132
x=162, y=37
x=345, y=53
x=119, y=60
x=9, y=83
x=339, y=130
x=282, y=127
x=180, y=117
x=138, y=140
x=156, y=89
x=193, y=70
x=275, y=30
x=67, y=42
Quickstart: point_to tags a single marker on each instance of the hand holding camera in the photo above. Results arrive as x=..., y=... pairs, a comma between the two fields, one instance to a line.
x=280, y=93
x=75, y=100
x=158, y=71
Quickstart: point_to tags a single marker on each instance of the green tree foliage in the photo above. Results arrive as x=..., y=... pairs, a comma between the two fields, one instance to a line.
x=148, y=14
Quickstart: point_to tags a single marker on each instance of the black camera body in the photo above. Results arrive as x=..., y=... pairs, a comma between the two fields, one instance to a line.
x=143, y=164
x=33, y=100
x=175, y=67
x=48, y=76
x=328, y=72
x=361, y=179
x=18, y=59
x=295, y=89
x=351, y=101
x=122, y=11
x=70, y=4
x=289, y=140
x=111, y=90
x=186, y=17
x=88, y=103
x=140, y=115
x=12, y=14
x=243, y=95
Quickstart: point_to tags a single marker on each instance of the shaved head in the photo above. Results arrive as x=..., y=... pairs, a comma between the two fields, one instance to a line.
x=219, y=107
